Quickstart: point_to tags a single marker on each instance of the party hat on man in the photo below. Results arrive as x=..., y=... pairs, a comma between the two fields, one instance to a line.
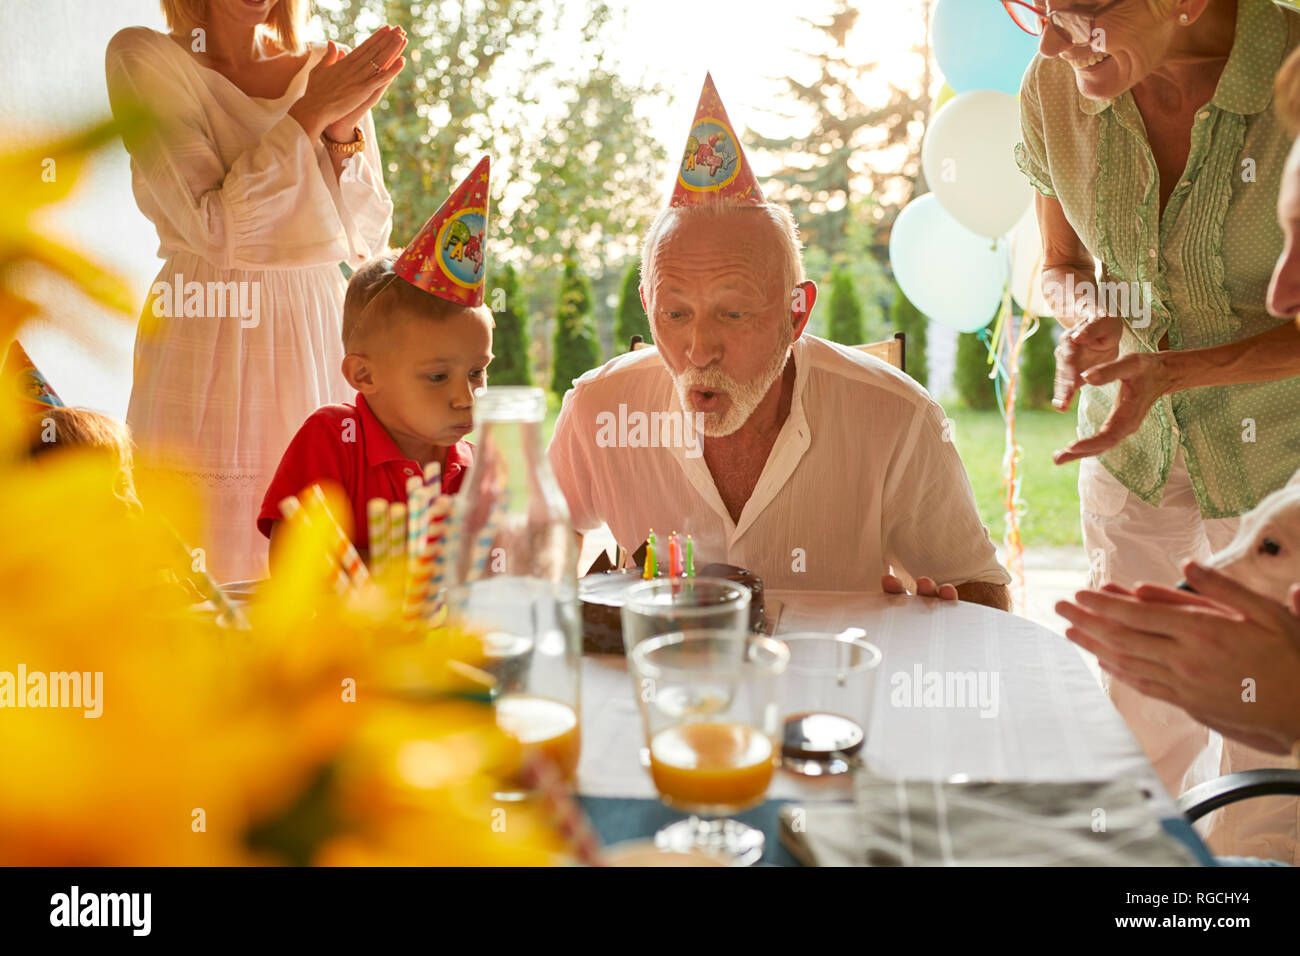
x=447, y=256
x=714, y=166
x=20, y=372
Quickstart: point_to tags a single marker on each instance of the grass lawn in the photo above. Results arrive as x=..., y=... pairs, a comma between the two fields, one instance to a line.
x=1050, y=493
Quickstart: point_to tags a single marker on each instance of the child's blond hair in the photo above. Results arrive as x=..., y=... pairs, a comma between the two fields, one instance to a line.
x=377, y=297
x=63, y=429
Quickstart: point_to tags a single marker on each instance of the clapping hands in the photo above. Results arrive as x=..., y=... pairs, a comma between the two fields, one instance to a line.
x=342, y=87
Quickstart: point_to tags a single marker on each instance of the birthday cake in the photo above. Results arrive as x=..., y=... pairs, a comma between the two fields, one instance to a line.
x=602, y=593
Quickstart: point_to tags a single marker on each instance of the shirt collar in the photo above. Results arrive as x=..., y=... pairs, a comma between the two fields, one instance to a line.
x=791, y=443
x=459, y=457
x=1246, y=86
x=380, y=446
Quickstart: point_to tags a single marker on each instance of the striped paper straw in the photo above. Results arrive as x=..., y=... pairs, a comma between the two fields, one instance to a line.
x=417, y=595
x=563, y=811
x=226, y=611
x=345, y=550
x=483, y=546
x=293, y=510
x=417, y=534
x=445, y=545
x=396, y=539
x=377, y=526
x=433, y=479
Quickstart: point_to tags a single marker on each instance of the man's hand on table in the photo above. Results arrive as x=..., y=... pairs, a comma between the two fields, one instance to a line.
x=1196, y=650
x=973, y=592
x=925, y=587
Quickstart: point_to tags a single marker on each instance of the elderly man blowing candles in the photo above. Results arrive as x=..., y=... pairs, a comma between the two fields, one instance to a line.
x=811, y=464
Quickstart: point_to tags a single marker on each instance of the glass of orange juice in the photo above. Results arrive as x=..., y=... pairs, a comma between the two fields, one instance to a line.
x=533, y=653
x=712, y=720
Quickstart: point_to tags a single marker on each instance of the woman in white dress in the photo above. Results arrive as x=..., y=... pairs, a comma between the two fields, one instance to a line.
x=261, y=175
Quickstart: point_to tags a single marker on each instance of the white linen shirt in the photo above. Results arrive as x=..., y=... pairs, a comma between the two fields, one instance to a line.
x=861, y=477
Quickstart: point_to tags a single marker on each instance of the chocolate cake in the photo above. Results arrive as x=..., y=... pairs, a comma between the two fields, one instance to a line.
x=601, y=595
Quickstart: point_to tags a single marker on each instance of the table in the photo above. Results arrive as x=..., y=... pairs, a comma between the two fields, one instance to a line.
x=1052, y=721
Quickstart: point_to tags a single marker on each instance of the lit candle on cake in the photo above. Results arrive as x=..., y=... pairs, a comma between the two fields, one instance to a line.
x=690, y=557
x=674, y=556
x=651, y=563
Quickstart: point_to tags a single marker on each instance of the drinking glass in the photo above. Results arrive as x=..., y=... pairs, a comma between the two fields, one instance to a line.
x=668, y=605
x=709, y=704
x=828, y=694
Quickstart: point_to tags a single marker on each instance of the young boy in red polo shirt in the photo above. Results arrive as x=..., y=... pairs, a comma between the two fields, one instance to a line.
x=418, y=341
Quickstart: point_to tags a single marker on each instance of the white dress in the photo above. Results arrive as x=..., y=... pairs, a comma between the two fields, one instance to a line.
x=238, y=194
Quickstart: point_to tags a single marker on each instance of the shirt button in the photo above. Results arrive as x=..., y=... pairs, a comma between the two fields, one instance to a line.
x=1151, y=253
x=1185, y=183
x=1203, y=114
x=410, y=471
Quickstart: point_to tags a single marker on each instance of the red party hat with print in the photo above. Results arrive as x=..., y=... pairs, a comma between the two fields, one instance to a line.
x=20, y=372
x=447, y=257
x=714, y=166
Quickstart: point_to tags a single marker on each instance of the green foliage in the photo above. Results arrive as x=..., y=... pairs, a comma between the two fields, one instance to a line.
x=907, y=318
x=510, y=78
x=971, y=373
x=510, y=339
x=845, y=324
x=1038, y=367
x=433, y=123
x=631, y=319
x=1050, y=492
x=846, y=147
x=576, y=350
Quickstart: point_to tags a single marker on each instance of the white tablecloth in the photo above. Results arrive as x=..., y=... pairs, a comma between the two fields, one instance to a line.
x=1052, y=723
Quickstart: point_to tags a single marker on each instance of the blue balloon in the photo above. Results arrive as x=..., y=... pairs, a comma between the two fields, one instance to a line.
x=951, y=274
x=979, y=47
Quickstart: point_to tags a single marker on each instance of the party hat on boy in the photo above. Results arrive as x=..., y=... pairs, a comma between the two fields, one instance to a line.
x=20, y=372
x=714, y=166
x=447, y=256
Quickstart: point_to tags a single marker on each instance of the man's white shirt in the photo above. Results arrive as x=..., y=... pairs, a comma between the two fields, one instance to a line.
x=863, y=476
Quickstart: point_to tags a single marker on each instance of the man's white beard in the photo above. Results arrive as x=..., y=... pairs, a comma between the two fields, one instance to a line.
x=743, y=396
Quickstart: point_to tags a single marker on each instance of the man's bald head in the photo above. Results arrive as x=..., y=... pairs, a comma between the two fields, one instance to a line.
x=767, y=229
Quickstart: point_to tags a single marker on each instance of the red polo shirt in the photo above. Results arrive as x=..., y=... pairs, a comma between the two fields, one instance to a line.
x=347, y=445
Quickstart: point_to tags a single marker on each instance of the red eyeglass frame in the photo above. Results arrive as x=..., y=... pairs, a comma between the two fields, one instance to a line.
x=1044, y=17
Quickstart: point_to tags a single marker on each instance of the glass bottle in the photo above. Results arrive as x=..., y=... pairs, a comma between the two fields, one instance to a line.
x=514, y=578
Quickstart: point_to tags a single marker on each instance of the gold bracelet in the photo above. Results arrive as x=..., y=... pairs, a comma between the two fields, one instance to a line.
x=356, y=146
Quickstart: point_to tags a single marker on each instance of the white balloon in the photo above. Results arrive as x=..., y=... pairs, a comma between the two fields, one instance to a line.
x=1027, y=265
x=952, y=275
x=968, y=156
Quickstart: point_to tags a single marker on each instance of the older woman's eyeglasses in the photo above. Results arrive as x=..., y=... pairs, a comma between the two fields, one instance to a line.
x=1075, y=25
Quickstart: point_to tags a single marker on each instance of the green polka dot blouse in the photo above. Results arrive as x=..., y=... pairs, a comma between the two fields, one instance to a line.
x=1206, y=264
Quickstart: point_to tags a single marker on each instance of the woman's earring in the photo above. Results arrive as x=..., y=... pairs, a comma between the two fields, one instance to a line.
x=1183, y=18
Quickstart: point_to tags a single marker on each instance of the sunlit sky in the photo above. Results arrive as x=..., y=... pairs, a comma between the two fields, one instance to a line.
x=54, y=87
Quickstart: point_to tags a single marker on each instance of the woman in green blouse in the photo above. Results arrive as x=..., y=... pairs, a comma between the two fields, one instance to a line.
x=1148, y=132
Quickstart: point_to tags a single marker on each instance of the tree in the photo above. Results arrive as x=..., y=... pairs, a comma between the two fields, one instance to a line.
x=562, y=130
x=907, y=318
x=510, y=340
x=848, y=147
x=845, y=324
x=971, y=373
x=576, y=350
x=631, y=318
x=1038, y=366
x=441, y=112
